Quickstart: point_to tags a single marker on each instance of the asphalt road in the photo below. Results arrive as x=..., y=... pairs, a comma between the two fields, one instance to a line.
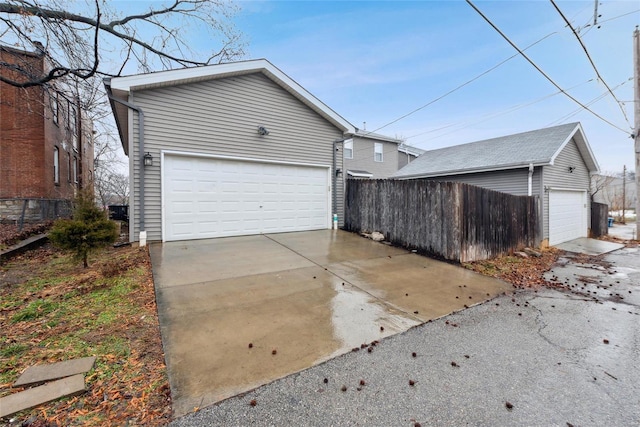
x=557, y=358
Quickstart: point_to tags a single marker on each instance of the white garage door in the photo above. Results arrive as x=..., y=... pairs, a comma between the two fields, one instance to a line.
x=204, y=198
x=567, y=215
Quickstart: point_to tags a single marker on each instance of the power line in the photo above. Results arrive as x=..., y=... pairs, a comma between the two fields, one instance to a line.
x=491, y=116
x=624, y=113
x=540, y=70
x=460, y=86
x=593, y=101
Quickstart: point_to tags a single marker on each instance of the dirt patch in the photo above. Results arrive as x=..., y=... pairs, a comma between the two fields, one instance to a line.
x=520, y=272
x=52, y=309
x=10, y=234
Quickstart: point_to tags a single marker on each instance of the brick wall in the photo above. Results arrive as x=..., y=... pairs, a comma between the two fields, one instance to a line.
x=30, y=132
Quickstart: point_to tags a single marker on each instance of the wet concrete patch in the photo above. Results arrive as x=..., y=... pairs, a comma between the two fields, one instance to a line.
x=588, y=246
x=420, y=286
x=241, y=312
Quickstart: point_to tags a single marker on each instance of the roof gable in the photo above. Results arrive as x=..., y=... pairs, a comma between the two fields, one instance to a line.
x=121, y=87
x=539, y=147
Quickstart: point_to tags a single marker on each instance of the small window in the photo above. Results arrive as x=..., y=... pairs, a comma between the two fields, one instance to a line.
x=74, y=127
x=348, y=149
x=54, y=107
x=56, y=165
x=69, y=167
x=75, y=169
x=377, y=152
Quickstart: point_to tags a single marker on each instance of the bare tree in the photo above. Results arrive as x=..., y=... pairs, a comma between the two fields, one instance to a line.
x=81, y=39
x=599, y=184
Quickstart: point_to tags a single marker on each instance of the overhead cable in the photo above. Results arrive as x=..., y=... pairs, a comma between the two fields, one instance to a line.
x=546, y=76
x=593, y=65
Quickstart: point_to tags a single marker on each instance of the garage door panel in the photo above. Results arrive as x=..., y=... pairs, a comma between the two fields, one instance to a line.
x=567, y=215
x=206, y=198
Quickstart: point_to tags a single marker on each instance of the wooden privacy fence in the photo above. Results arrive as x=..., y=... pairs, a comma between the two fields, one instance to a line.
x=453, y=220
x=599, y=219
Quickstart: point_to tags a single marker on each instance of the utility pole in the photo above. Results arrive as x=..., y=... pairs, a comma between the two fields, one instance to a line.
x=636, y=115
x=624, y=192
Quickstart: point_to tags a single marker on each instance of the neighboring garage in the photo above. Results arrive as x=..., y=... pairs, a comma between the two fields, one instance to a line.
x=207, y=197
x=554, y=164
x=228, y=150
x=567, y=215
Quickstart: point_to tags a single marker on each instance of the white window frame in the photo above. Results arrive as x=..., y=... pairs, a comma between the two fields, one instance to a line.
x=378, y=151
x=348, y=149
x=75, y=169
x=56, y=165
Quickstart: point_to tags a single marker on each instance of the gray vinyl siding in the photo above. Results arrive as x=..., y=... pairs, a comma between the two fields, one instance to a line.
x=363, y=157
x=558, y=176
x=513, y=181
x=221, y=117
x=404, y=159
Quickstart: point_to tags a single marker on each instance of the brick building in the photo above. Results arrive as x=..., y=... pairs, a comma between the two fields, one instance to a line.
x=46, y=144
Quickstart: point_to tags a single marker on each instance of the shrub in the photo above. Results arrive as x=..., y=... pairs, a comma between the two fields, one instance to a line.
x=89, y=229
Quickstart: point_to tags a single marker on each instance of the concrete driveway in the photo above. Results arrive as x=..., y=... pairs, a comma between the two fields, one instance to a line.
x=237, y=313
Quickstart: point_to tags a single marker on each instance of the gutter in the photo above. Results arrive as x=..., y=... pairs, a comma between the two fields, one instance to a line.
x=143, y=232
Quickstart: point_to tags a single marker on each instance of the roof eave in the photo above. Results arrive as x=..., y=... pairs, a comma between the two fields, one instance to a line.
x=470, y=171
x=121, y=119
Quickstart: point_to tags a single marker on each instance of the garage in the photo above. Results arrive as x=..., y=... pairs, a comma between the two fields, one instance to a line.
x=204, y=197
x=567, y=215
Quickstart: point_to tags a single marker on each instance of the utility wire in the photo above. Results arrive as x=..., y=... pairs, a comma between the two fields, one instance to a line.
x=593, y=101
x=593, y=65
x=490, y=116
x=540, y=70
x=460, y=86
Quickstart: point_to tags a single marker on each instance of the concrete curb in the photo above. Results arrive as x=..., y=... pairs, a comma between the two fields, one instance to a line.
x=25, y=245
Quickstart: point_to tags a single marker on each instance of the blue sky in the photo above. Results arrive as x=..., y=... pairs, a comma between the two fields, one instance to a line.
x=374, y=62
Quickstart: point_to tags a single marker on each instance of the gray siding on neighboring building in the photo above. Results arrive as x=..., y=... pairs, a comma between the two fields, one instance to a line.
x=558, y=176
x=363, y=157
x=404, y=159
x=512, y=181
x=221, y=117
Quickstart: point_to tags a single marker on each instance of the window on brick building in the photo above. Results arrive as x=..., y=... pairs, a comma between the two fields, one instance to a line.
x=54, y=107
x=74, y=127
x=69, y=167
x=56, y=165
x=75, y=169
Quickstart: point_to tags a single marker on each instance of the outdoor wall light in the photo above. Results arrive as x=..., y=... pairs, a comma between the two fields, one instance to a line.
x=571, y=168
x=262, y=130
x=148, y=159
x=338, y=172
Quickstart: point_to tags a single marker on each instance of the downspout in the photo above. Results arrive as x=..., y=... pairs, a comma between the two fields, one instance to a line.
x=334, y=184
x=530, y=180
x=143, y=232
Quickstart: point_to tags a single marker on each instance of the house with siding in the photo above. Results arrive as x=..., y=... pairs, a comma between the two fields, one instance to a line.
x=371, y=155
x=555, y=164
x=407, y=154
x=234, y=149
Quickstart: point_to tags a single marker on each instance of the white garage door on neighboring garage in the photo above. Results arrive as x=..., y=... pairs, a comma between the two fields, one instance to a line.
x=567, y=215
x=212, y=197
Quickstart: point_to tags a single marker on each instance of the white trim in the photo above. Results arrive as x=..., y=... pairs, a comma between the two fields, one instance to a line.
x=375, y=152
x=242, y=159
x=359, y=175
x=565, y=189
x=470, y=171
x=344, y=148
